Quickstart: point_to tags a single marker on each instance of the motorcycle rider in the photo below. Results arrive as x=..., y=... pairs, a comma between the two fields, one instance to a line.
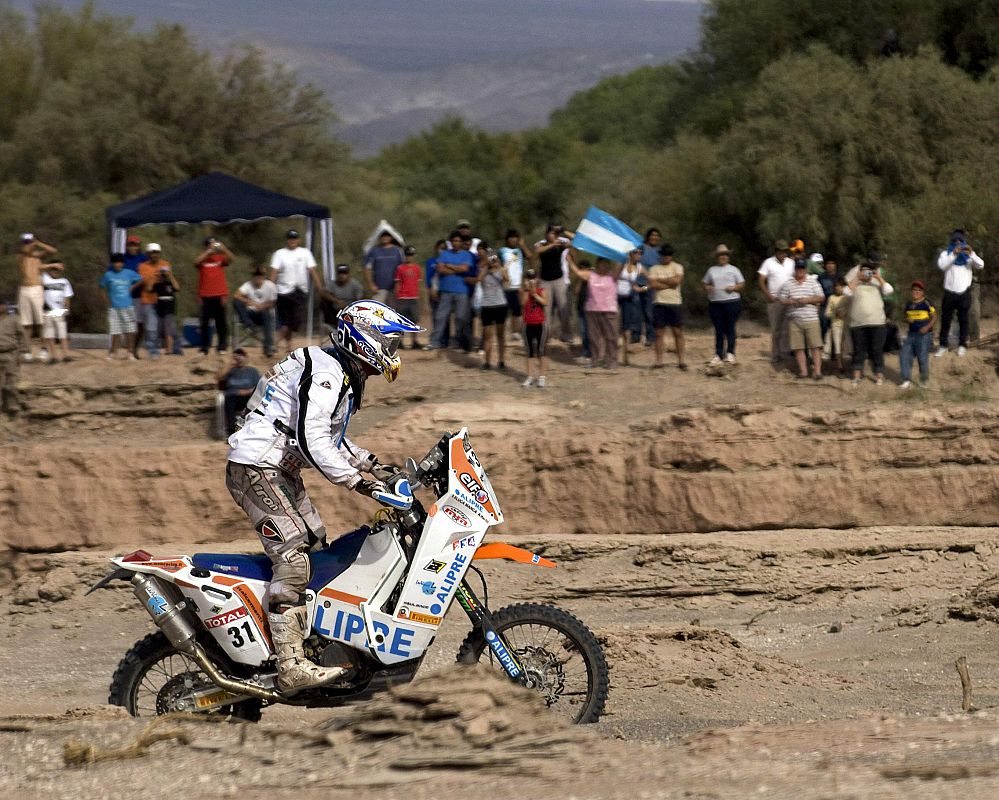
x=296, y=419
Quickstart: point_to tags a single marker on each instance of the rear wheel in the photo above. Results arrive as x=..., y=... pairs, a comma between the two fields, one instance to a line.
x=563, y=660
x=154, y=678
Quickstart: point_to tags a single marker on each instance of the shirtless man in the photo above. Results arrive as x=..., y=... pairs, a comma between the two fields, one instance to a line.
x=30, y=299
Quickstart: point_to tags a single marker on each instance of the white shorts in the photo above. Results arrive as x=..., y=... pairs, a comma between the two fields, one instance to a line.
x=30, y=305
x=54, y=327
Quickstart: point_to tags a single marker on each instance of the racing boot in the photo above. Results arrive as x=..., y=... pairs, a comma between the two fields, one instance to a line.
x=295, y=671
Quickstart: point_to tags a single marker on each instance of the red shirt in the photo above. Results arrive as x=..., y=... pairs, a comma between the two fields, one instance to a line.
x=534, y=312
x=211, y=276
x=407, y=281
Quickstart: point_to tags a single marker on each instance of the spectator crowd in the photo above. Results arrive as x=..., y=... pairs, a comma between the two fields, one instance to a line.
x=481, y=298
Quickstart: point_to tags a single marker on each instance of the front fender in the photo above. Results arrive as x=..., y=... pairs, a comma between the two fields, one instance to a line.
x=511, y=553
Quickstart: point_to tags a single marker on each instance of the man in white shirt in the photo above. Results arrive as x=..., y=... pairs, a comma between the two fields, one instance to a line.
x=957, y=263
x=772, y=275
x=291, y=267
x=56, y=293
x=254, y=302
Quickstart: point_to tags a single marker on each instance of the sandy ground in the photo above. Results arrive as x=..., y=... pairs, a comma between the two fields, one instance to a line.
x=782, y=573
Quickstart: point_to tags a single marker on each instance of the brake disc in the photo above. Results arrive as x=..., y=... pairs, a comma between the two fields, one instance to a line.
x=544, y=672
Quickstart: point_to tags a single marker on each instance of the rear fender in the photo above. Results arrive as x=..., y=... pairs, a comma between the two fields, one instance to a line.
x=511, y=553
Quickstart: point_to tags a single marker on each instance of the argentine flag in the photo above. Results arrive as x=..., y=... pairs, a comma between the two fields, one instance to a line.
x=603, y=235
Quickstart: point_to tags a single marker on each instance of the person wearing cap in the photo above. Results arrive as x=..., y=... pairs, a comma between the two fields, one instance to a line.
x=254, y=303
x=665, y=279
x=407, y=289
x=144, y=301
x=867, y=290
x=30, y=297
x=801, y=297
x=291, y=268
x=57, y=291
x=213, y=291
x=133, y=253
x=380, y=265
x=958, y=262
x=920, y=315
x=237, y=384
x=724, y=283
x=12, y=347
x=118, y=284
x=773, y=273
x=632, y=282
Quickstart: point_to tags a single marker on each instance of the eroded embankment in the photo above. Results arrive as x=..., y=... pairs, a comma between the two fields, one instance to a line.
x=731, y=467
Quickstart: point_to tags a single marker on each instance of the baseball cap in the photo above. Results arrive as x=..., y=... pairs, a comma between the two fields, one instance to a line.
x=27, y=237
x=722, y=250
x=239, y=351
x=292, y=234
x=797, y=246
x=874, y=257
x=800, y=263
x=463, y=223
x=133, y=240
x=818, y=258
x=780, y=244
x=343, y=267
x=919, y=285
x=152, y=247
x=117, y=258
x=410, y=250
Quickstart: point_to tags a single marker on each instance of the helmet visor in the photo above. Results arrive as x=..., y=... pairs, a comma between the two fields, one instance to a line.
x=392, y=345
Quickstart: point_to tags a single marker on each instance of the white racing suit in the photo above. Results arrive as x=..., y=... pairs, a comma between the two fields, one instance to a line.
x=296, y=419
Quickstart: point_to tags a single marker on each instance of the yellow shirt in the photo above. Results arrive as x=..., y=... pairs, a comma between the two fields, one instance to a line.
x=670, y=297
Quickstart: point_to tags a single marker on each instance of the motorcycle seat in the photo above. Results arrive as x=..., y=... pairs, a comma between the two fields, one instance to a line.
x=326, y=564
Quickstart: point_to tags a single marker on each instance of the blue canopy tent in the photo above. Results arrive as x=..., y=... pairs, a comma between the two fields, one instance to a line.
x=220, y=199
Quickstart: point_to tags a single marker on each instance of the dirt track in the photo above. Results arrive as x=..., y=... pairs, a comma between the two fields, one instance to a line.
x=803, y=662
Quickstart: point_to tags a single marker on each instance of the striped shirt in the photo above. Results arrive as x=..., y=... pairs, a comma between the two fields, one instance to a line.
x=793, y=290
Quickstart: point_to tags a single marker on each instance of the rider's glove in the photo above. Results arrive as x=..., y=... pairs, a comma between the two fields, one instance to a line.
x=397, y=494
x=369, y=488
x=371, y=463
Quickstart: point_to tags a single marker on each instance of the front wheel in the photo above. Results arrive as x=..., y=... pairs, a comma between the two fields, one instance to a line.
x=563, y=660
x=154, y=678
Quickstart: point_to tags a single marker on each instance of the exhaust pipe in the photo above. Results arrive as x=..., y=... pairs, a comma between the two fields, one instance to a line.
x=167, y=608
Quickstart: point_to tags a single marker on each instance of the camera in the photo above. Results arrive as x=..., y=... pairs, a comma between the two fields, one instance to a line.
x=867, y=272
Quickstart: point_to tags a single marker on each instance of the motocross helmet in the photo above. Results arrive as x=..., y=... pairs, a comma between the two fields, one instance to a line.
x=371, y=333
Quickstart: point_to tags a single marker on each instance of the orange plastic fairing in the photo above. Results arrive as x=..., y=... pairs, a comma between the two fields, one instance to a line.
x=511, y=553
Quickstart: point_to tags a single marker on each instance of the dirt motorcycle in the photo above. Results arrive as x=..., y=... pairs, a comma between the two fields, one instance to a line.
x=376, y=599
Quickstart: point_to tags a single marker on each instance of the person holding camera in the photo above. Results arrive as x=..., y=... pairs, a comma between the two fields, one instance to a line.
x=166, y=288
x=551, y=253
x=867, y=290
x=957, y=262
x=144, y=302
x=213, y=292
x=494, y=280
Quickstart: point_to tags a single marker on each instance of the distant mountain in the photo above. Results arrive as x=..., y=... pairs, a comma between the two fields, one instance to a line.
x=394, y=67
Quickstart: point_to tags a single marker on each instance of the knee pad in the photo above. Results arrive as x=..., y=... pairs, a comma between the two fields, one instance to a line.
x=290, y=580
